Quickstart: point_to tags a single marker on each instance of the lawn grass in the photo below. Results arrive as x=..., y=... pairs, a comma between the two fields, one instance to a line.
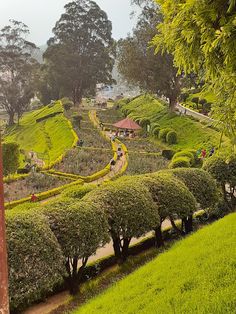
x=191, y=134
x=197, y=275
x=48, y=138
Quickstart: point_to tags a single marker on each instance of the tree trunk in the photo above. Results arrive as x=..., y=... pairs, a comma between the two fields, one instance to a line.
x=11, y=118
x=159, y=237
x=117, y=247
x=180, y=232
x=172, y=103
x=125, y=249
x=188, y=224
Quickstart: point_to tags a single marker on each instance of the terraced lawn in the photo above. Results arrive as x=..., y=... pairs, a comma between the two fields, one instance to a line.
x=48, y=138
x=197, y=275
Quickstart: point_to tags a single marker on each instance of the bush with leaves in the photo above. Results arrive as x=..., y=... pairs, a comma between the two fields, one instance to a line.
x=172, y=197
x=163, y=133
x=180, y=162
x=80, y=229
x=144, y=122
x=156, y=131
x=171, y=137
x=130, y=209
x=185, y=153
x=168, y=153
x=34, y=256
x=11, y=158
x=203, y=187
x=78, y=192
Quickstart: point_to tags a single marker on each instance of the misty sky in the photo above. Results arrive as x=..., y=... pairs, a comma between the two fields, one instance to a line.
x=41, y=15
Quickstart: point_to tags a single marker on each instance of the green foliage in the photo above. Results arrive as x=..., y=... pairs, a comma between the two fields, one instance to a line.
x=48, y=139
x=67, y=103
x=130, y=210
x=185, y=153
x=163, y=134
x=197, y=275
x=144, y=122
x=195, y=100
x=171, y=196
x=156, y=131
x=82, y=46
x=11, y=158
x=201, y=185
x=34, y=256
x=171, y=137
x=78, y=192
x=218, y=168
x=180, y=162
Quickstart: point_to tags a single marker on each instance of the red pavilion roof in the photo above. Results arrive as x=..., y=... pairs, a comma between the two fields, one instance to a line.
x=127, y=124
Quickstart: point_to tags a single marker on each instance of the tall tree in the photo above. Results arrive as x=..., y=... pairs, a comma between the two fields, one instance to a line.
x=16, y=68
x=81, y=53
x=139, y=64
x=201, y=35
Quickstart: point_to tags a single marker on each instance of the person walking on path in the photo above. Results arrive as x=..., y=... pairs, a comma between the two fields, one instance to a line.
x=203, y=155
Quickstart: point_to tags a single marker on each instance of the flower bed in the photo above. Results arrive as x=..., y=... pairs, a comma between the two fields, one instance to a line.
x=140, y=145
x=142, y=163
x=34, y=183
x=84, y=162
x=110, y=116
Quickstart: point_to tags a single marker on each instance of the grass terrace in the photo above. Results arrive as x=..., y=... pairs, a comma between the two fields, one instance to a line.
x=197, y=275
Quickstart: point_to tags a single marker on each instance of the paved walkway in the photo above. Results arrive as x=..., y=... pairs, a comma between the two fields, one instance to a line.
x=192, y=113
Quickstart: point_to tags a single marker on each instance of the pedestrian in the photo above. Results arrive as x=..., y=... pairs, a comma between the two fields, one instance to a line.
x=113, y=137
x=203, y=154
x=33, y=198
x=212, y=151
x=112, y=164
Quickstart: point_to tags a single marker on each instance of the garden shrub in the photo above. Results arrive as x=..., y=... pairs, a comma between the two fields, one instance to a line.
x=168, y=153
x=185, y=153
x=172, y=197
x=201, y=184
x=130, y=209
x=34, y=256
x=195, y=100
x=156, y=131
x=180, y=162
x=163, y=133
x=171, y=137
x=144, y=122
x=154, y=126
x=218, y=168
x=80, y=229
x=184, y=97
x=78, y=192
x=67, y=103
x=11, y=158
x=202, y=102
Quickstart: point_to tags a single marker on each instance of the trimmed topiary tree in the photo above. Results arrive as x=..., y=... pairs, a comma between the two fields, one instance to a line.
x=144, y=122
x=11, y=158
x=203, y=187
x=180, y=162
x=163, y=133
x=34, y=256
x=171, y=137
x=80, y=229
x=185, y=153
x=130, y=209
x=172, y=197
x=156, y=131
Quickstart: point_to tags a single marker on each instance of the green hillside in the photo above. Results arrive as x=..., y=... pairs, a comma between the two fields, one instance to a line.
x=196, y=276
x=48, y=138
x=191, y=133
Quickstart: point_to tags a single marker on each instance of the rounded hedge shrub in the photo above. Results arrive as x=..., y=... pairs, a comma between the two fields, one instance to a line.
x=130, y=209
x=78, y=192
x=218, y=168
x=163, y=133
x=171, y=137
x=180, y=162
x=185, y=153
x=170, y=194
x=155, y=125
x=36, y=263
x=201, y=184
x=156, y=131
x=144, y=122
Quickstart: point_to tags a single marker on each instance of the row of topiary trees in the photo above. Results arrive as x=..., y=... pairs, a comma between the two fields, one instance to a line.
x=51, y=243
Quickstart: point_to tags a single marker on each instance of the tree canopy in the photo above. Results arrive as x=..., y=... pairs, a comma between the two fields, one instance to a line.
x=81, y=52
x=17, y=69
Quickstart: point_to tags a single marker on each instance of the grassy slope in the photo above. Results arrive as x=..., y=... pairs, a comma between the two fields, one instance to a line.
x=196, y=276
x=49, y=138
x=191, y=134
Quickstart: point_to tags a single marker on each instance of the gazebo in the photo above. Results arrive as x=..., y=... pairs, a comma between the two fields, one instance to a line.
x=127, y=125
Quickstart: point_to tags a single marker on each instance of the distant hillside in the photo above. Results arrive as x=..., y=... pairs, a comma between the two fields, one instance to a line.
x=196, y=276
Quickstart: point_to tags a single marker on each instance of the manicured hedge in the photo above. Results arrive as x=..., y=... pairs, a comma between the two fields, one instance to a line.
x=78, y=192
x=11, y=158
x=180, y=162
x=163, y=133
x=34, y=257
x=171, y=137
